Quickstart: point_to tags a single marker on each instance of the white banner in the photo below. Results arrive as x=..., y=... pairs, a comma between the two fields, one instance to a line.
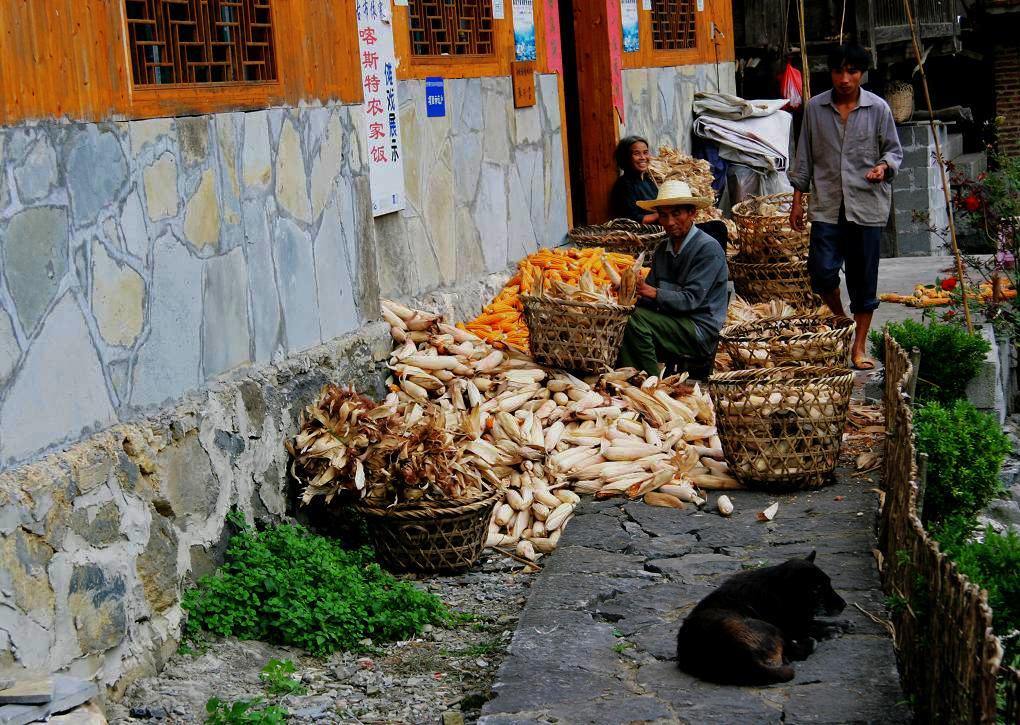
x=382, y=118
x=498, y=10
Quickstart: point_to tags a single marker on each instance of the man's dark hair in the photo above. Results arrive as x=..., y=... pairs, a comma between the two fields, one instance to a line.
x=850, y=54
x=622, y=153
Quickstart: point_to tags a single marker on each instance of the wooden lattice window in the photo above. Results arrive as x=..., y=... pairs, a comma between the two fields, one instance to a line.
x=201, y=41
x=673, y=25
x=450, y=27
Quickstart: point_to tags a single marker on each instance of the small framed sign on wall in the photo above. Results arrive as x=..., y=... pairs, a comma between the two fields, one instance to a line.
x=523, y=74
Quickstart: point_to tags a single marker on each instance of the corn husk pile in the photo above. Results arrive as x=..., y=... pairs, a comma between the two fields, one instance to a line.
x=394, y=452
x=545, y=436
x=697, y=173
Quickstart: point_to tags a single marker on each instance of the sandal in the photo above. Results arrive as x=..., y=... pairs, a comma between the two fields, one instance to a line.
x=863, y=364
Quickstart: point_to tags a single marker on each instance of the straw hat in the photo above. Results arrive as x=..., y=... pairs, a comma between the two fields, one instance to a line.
x=675, y=193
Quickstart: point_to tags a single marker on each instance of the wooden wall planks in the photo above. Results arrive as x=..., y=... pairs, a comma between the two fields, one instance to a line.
x=67, y=58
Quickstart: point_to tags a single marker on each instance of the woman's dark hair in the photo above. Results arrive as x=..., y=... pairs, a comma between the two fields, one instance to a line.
x=850, y=54
x=622, y=153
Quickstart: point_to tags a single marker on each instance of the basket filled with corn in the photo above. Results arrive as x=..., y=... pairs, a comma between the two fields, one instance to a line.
x=800, y=340
x=625, y=236
x=764, y=232
x=781, y=428
x=581, y=327
x=759, y=282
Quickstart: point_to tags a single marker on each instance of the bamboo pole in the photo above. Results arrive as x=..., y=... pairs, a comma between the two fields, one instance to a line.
x=942, y=167
x=804, y=67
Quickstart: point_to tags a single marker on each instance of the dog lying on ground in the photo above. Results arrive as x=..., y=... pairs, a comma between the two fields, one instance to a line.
x=748, y=630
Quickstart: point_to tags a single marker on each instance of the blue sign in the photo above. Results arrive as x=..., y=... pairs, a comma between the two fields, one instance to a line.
x=435, y=97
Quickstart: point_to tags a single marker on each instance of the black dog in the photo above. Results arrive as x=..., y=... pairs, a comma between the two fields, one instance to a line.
x=749, y=629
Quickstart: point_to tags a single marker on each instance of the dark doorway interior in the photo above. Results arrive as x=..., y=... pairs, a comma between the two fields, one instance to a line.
x=574, y=143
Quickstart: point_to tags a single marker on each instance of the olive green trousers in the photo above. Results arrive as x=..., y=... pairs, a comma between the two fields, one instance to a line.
x=653, y=336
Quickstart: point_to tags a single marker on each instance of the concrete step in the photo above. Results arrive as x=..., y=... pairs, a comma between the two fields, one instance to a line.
x=970, y=165
x=954, y=146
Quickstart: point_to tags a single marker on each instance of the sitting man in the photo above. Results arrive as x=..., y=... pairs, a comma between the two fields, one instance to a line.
x=682, y=303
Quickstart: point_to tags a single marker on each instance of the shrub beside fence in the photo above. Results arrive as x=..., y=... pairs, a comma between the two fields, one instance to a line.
x=950, y=658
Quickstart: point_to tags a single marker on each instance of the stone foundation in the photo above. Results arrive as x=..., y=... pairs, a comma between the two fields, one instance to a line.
x=98, y=541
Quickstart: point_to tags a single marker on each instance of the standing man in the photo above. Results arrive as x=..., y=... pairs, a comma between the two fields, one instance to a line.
x=682, y=303
x=847, y=154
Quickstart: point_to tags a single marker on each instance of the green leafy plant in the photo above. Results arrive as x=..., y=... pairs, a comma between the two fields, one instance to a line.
x=287, y=586
x=950, y=356
x=276, y=676
x=243, y=712
x=994, y=564
x=621, y=647
x=965, y=450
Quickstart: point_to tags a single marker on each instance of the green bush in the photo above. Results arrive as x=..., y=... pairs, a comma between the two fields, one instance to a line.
x=243, y=712
x=994, y=564
x=950, y=356
x=288, y=586
x=965, y=450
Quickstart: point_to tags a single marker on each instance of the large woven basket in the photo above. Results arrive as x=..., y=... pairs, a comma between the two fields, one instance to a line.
x=583, y=336
x=430, y=536
x=787, y=281
x=619, y=235
x=900, y=97
x=777, y=341
x=764, y=232
x=781, y=428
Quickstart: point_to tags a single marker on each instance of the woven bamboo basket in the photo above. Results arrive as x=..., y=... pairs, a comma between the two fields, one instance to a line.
x=781, y=428
x=900, y=97
x=583, y=336
x=777, y=341
x=619, y=235
x=787, y=281
x=768, y=237
x=430, y=536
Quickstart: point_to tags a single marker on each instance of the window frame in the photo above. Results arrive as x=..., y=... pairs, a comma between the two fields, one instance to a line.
x=703, y=51
x=418, y=67
x=157, y=100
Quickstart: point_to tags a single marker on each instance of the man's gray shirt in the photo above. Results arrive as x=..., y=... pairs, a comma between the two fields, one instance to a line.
x=691, y=283
x=833, y=159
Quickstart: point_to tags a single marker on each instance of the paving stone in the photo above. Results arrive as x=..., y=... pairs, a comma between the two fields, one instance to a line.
x=96, y=172
x=695, y=568
x=225, y=322
x=295, y=270
x=61, y=361
x=661, y=547
x=597, y=531
x=118, y=298
x=37, y=173
x=35, y=260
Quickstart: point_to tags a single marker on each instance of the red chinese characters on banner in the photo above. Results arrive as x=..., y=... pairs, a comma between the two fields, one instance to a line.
x=382, y=120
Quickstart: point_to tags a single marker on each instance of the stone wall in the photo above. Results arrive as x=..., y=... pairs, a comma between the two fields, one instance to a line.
x=485, y=184
x=142, y=259
x=98, y=541
x=919, y=204
x=657, y=101
x=1007, y=97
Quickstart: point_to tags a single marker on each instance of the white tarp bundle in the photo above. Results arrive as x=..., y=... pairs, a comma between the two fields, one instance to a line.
x=759, y=141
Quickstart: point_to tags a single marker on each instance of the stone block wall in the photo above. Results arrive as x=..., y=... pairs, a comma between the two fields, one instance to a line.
x=142, y=259
x=485, y=185
x=657, y=101
x=1007, y=97
x=98, y=541
x=919, y=204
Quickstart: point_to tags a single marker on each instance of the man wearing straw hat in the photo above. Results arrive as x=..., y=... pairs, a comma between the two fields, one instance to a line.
x=682, y=303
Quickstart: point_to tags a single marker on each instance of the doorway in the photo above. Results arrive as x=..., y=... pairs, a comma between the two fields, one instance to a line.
x=574, y=142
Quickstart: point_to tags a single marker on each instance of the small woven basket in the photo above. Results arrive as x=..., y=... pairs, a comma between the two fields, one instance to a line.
x=781, y=428
x=582, y=336
x=764, y=232
x=619, y=235
x=777, y=341
x=900, y=97
x=788, y=281
x=431, y=536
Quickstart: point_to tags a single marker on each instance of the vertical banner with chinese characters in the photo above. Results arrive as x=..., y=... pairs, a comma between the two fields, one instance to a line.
x=382, y=118
x=629, y=23
x=525, y=47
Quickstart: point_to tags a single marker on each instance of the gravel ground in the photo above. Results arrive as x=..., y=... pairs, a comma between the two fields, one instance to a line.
x=438, y=677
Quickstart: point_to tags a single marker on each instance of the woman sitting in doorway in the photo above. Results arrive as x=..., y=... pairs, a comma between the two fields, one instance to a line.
x=634, y=183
